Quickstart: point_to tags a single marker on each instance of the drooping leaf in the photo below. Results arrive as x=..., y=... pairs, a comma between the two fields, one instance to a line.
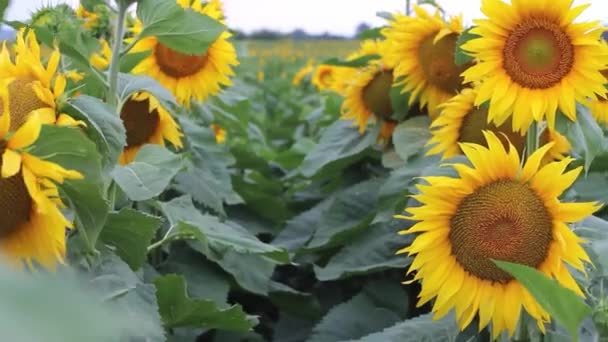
x=584, y=134
x=179, y=310
x=561, y=303
x=149, y=174
x=104, y=126
x=183, y=30
x=130, y=232
x=69, y=148
x=129, y=84
x=410, y=136
x=340, y=144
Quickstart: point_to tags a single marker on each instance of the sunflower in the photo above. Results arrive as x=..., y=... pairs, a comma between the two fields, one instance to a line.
x=220, y=133
x=90, y=18
x=461, y=121
x=147, y=122
x=189, y=77
x=367, y=90
x=32, y=230
x=422, y=48
x=303, y=72
x=33, y=87
x=101, y=60
x=324, y=77
x=494, y=210
x=599, y=107
x=533, y=59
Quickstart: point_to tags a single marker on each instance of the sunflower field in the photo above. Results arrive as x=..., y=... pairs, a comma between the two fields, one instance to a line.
x=431, y=180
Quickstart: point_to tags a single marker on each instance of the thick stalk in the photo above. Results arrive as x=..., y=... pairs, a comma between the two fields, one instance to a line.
x=407, y=7
x=532, y=139
x=119, y=33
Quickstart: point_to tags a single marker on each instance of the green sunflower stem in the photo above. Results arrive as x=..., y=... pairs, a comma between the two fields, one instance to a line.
x=116, y=47
x=532, y=139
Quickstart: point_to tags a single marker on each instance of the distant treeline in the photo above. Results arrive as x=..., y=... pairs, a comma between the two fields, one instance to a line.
x=298, y=34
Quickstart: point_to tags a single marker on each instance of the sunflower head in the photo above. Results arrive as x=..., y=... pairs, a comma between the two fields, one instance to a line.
x=533, y=59
x=220, y=133
x=461, y=121
x=303, y=72
x=422, y=49
x=32, y=86
x=147, y=122
x=189, y=77
x=324, y=76
x=32, y=227
x=495, y=209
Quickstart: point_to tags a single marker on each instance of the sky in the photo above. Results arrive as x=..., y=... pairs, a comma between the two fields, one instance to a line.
x=315, y=16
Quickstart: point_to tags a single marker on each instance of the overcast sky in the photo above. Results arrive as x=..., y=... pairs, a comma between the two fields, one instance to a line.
x=316, y=16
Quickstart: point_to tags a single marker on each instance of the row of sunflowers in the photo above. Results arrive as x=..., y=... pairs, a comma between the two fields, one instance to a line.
x=225, y=198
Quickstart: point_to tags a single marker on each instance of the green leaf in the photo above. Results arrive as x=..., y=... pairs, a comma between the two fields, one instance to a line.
x=70, y=148
x=586, y=135
x=205, y=280
x=421, y=328
x=373, y=33
x=46, y=306
x=362, y=315
x=129, y=84
x=3, y=6
x=103, y=125
x=340, y=144
x=410, y=136
x=460, y=56
x=219, y=236
x=131, y=60
x=371, y=252
x=179, y=310
x=117, y=285
x=354, y=63
x=352, y=211
x=561, y=303
x=149, y=174
x=251, y=272
x=180, y=29
x=130, y=232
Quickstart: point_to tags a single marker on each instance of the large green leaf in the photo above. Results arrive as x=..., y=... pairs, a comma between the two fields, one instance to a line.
x=217, y=237
x=372, y=251
x=129, y=84
x=366, y=313
x=3, y=6
x=149, y=174
x=421, y=328
x=340, y=144
x=130, y=232
x=179, y=310
x=116, y=284
x=410, y=136
x=585, y=135
x=71, y=149
x=460, y=56
x=104, y=126
x=352, y=210
x=180, y=29
x=561, y=303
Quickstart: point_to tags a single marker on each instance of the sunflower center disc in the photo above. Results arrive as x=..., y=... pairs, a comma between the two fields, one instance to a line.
x=538, y=54
x=504, y=220
x=437, y=61
x=477, y=120
x=140, y=123
x=22, y=101
x=177, y=64
x=376, y=94
x=15, y=203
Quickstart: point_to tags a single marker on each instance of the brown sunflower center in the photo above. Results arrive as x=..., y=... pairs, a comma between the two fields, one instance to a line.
x=538, y=53
x=140, y=123
x=376, y=94
x=437, y=61
x=504, y=220
x=15, y=203
x=177, y=64
x=477, y=120
x=22, y=101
